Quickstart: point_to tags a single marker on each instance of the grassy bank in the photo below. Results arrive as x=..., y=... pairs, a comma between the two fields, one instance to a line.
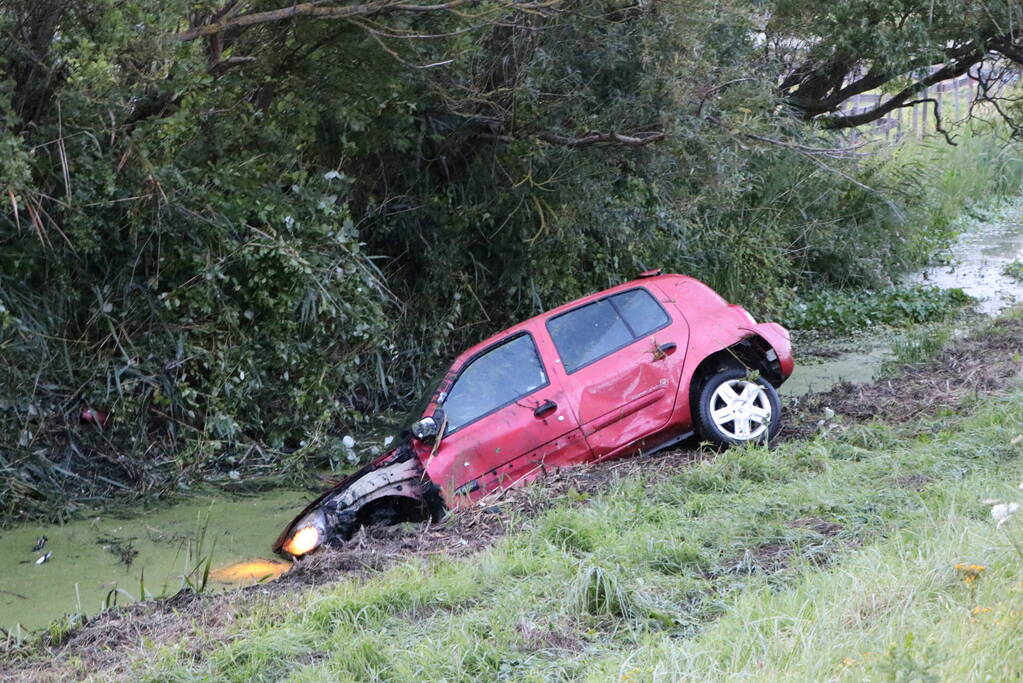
x=828, y=557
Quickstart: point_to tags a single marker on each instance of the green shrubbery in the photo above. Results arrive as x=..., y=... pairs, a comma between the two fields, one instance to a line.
x=238, y=259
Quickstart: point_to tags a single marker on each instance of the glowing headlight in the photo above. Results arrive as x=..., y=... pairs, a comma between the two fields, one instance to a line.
x=303, y=541
x=306, y=536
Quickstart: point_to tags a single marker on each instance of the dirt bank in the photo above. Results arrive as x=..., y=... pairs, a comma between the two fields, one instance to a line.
x=986, y=362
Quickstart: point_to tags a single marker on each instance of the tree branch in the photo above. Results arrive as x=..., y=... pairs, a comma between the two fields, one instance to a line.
x=369, y=9
x=820, y=89
x=589, y=139
x=900, y=99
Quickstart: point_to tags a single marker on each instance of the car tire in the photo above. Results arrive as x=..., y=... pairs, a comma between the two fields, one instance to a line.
x=733, y=409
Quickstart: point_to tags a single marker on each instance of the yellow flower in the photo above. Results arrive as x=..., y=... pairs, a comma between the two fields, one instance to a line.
x=969, y=572
x=980, y=610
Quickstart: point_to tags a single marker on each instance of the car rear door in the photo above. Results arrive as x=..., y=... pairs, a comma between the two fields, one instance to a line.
x=621, y=360
x=507, y=419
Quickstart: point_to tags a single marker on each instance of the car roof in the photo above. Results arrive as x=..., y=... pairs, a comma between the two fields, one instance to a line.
x=575, y=303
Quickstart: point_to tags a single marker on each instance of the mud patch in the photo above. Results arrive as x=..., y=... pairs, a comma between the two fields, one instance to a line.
x=912, y=482
x=548, y=638
x=817, y=524
x=778, y=556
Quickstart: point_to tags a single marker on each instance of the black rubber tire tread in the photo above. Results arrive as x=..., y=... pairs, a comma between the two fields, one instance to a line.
x=704, y=425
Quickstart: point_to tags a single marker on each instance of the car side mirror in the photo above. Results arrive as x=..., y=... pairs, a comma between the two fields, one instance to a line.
x=428, y=427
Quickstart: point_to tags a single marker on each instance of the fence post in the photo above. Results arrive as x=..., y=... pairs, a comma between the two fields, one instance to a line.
x=955, y=97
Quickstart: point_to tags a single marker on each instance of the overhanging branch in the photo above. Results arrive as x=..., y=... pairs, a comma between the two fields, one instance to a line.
x=901, y=98
x=320, y=10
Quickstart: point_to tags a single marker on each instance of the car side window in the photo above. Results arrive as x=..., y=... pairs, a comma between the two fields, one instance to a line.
x=500, y=376
x=597, y=329
x=587, y=333
x=641, y=311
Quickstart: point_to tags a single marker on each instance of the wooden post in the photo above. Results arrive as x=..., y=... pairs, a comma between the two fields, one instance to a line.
x=956, y=90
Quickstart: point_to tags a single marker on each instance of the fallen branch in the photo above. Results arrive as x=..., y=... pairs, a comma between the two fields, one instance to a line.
x=834, y=152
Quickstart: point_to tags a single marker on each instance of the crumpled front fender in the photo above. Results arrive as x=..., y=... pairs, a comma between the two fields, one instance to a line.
x=398, y=475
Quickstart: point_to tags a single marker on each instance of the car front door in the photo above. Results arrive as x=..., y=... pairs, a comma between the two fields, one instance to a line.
x=622, y=358
x=507, y=419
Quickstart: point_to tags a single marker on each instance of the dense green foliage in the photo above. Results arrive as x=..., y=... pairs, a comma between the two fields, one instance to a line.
x=1014, y=270
x=235, y=245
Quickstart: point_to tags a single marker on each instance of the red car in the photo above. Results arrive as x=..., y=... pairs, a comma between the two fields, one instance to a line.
x=631, y=369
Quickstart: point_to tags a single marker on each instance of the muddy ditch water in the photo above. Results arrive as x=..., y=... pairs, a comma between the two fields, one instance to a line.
x=98, y=560
x=975, y=264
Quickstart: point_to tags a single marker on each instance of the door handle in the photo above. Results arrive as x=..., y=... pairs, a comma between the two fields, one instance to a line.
x=545, y=408
x=665, y=349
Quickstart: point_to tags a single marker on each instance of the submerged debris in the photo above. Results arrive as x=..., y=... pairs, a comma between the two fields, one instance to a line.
x=122, y=548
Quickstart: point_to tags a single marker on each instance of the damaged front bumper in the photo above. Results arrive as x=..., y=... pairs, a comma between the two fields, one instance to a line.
x=392, y=489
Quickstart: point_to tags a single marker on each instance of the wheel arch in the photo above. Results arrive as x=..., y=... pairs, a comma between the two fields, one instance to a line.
x=752, y=353
x=391, y=508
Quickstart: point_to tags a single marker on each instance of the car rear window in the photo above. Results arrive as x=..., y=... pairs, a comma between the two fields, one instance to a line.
x=598, y=329
x=500, y=376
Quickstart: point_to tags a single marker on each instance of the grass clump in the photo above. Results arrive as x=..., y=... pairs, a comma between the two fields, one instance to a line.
x=1014, y=270
x=920, y=345
x=602, y=592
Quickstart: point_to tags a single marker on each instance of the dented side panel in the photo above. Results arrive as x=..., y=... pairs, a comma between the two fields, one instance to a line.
x=629, y=394
x=399, y=479
x=715, y=326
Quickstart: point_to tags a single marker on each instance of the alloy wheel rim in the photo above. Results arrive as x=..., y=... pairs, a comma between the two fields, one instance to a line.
x=741, y=409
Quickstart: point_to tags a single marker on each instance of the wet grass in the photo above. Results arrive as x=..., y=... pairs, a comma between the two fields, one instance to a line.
x=917, y=346
x=827, y=558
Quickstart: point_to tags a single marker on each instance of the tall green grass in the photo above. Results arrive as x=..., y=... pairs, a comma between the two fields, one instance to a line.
x=981, y=168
